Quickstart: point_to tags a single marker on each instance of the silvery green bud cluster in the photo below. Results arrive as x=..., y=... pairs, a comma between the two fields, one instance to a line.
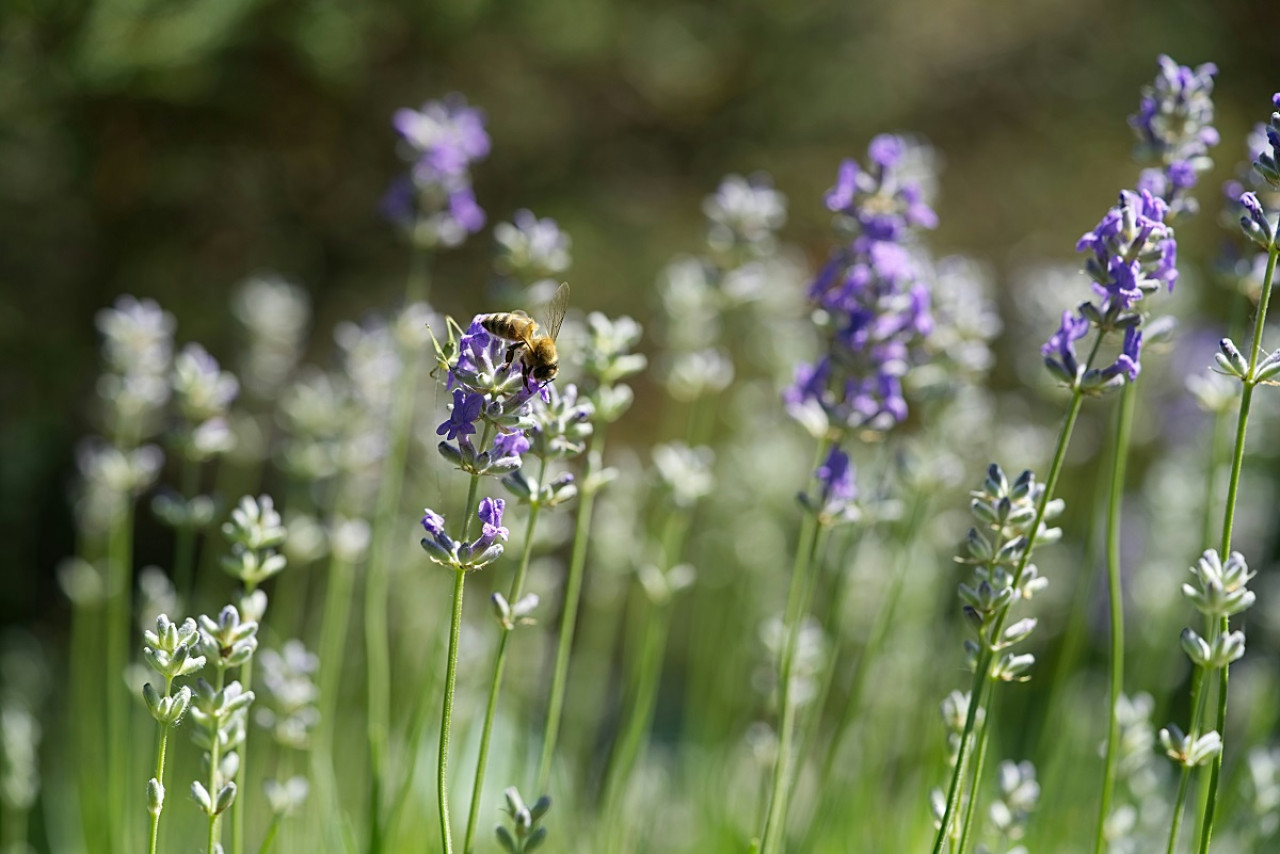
x=219, y=717
x=559, y=424
x=20, y=735
x=684, y=471
x=808, y=661
x=1220, y=589
x=195, y=513
x=607, y=356
x=1233, y=363
x=203, y=393
x=1188, y=749
x=137, y=346
x=530, y=248
x=744, y=216
x=228, y=641
x=290, y=694
x=690, y=375
x=955, y=711
x=998, y=549
x=1019, y=795
x=275, y=315
x=255, y=530
x=286, y=798
x=170, y=651
x=512, y=616
x=526, y=833
x=1264, y=786
x=317, y=412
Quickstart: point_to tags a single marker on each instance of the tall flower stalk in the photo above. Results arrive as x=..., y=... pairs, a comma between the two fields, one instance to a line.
x=436, y=207
x=557, y=428
x=872, y=312
x=1173, y=126
x=1221, y=590
x=607, y=360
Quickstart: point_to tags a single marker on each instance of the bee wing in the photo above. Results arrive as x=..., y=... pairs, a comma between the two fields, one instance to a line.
x=555, y=309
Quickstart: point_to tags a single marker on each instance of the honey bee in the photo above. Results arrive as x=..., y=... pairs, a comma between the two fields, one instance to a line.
x=535, y=343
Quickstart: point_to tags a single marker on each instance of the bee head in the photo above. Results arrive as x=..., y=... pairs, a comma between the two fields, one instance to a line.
x=545, y=373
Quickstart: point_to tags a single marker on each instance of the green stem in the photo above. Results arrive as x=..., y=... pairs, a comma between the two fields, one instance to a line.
x=978, y=765
x=1124, y=430
x=153, y=836
x=334, y=625
x=237, y=806
x=270, y=839
x=381, y=548
x=184, y=548
x=446, y=712
x=1198, y=696
x=419, y=724
x=499, y=664
x=806, y=548
x=214, y=760
x=1228, y=520
x=119, y=609
x=985, y=658
x=569, y=616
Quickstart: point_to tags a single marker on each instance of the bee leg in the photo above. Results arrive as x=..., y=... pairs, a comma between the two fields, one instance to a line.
x=511, y=352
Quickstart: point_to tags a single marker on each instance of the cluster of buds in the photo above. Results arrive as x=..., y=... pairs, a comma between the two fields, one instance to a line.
x=1010, y=525
x=1219, y=591
x=255, y=530
x=526, y=833
x=203, y=393
x=478, y=553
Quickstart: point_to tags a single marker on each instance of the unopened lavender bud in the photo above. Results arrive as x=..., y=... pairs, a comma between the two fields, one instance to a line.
x=1231, y=360
x=201, y=796
x=226, y=797
x=1013, y=668
x=501, y=609
x=1019, y=631
x=1267, y=369
x=155, y=796
x=1196, y=647
x=979, y=547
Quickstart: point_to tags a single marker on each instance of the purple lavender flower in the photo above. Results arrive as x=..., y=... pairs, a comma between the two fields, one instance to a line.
x=483, y=550
x=436, y=203
x=1174, y=128
x=490, y=514
x=1134, y=252
x=462, y=416
x=1267, y=163
x=514, y=444
x=1061, y=347
x=872, y=293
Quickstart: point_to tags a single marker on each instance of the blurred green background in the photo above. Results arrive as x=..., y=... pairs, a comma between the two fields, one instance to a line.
x=170, y=148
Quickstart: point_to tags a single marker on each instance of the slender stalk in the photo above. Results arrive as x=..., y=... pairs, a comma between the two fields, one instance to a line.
x=214, y=760
x=446, y=711
x=269, y=841
x=1198, y=696
x=153, y=836
x=1228, y=520
x=978, y=764
x=381, y=547
x=419, y=723
x=569, y=616
x=184, y=546
x=644, y=701
x=237, y=806
x=499, y=664
x=334, y=624
x=806, y=548
x=119, y=608
x=985, y=658
x=1124, y=430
